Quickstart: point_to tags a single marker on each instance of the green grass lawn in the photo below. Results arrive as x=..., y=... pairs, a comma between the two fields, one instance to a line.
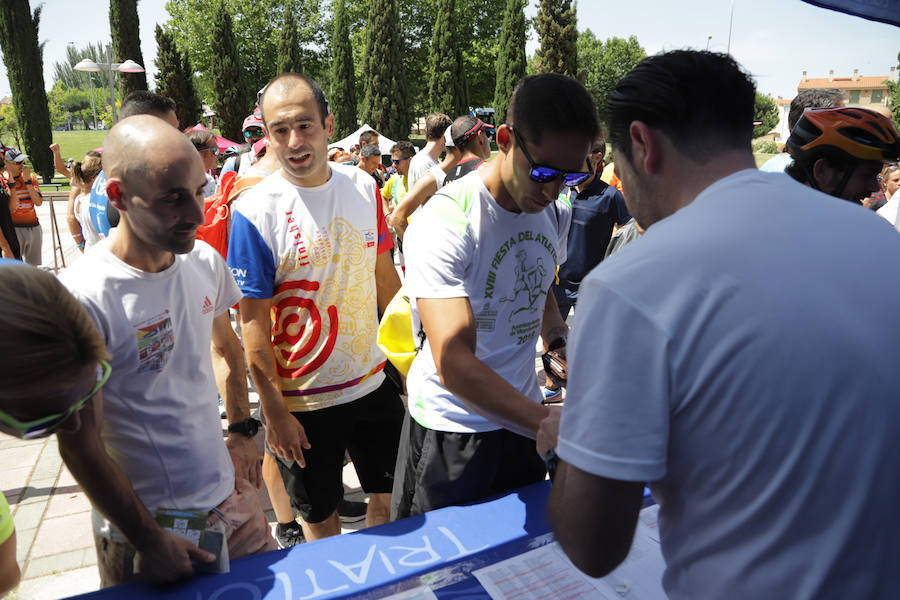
x=74, y=144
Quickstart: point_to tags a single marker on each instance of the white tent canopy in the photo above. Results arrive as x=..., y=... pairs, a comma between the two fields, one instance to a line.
x=384, y=144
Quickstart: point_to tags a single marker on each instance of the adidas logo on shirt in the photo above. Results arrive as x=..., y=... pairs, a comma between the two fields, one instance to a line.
x=207, y=305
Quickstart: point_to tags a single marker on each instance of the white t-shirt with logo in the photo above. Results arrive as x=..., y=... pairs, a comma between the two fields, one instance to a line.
x=160, y=420
x=313, y=251
x=463, y=244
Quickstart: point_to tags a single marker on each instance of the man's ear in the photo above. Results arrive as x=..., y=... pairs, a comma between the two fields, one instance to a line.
x=646, y=147
x=503, y=138
x=329, y=125
x=825, y=175
x=115, y=193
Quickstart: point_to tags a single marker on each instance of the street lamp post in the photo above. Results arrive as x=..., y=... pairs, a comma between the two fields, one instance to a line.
x=708, y=38
x=129, y=66
x=93, y=109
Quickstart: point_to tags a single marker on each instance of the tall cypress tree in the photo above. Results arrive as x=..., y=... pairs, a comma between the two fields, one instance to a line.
x=343, y=101
x=126, y=37
x=511, y=57
x=191, y=109
x=555, y=25
x=447, y=91
x=386, y=101
x=231, y=101
x=288, y=48
x=175, y=79
x=23, y=57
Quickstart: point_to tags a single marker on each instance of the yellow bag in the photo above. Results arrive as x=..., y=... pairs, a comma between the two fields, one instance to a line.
x=395, y=333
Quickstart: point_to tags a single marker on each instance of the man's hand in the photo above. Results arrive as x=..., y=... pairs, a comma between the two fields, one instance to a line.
x=245, y=458
x=168, y=559
x=548, y=431
x=54, y=148
x=286, y=437
x=26, y=174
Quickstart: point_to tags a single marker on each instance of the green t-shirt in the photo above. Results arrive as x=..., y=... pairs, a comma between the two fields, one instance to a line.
x=6, y=522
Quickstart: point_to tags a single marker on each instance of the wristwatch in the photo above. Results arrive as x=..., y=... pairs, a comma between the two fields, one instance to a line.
x=248, y=427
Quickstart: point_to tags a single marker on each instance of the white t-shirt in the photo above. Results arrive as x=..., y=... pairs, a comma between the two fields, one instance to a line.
x=891, y=210
x=726, y=357
x=466, y=245
x=210, y=188
x=777, y=163
x=438, y=173
x=418, y=166
x=160, y=420
x=83, y=215
x=313, y=250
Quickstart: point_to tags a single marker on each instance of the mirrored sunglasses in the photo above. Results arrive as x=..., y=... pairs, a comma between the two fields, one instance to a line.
x=544, y=174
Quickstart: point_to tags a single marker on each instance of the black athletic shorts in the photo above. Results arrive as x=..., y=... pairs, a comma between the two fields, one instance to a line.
x=438, y=468
x=368, y=429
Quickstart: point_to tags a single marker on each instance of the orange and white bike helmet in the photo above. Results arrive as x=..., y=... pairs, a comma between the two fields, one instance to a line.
x=843, y=135
x=858, y=133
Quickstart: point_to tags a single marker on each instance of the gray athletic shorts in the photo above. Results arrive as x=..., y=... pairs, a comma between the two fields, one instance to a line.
x=30, y=240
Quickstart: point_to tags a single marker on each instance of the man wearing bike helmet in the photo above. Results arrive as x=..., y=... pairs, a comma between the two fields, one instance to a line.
x=840, y=151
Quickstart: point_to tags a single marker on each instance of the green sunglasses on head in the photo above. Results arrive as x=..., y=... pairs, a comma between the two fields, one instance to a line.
x=47, y=425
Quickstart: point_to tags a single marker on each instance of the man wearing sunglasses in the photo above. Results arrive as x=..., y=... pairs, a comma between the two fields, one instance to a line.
x=161, y=304
x=481, y=256
x=252, y=131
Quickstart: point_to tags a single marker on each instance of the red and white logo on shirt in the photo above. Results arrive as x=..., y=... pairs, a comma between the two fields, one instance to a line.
x=207, y=305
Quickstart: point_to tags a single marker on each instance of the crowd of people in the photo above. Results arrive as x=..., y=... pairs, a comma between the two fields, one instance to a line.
x=719, y=349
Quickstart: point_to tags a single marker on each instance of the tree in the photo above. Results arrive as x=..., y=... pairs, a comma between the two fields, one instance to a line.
x=175, y=79
x=446, y=79
x=24, y=61
x=894, y=95
x=601, y=65
x=257, y=34
x=69, y=106
x=765, y=111
x=190, y=104
x=9, y=124
x=124, y=26
x=386, y=101
x=343, y=77
x=65, y=71
x=231, y=100
x=555, y=26
x=511, y=57
x=288, y=49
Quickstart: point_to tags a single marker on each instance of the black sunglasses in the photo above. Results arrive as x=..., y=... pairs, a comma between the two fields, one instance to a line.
x=254, y=131
x=545, y=174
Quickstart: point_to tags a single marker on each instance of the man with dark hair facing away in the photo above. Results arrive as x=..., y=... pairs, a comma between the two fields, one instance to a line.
x=737, y=390
x=482, y=255
x=435, y=126
x=470, y=148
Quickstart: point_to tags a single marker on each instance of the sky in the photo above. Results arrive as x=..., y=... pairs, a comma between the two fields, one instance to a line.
x=775, y=40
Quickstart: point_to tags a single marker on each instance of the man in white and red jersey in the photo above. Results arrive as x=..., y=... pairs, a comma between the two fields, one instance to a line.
x=310, y=243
